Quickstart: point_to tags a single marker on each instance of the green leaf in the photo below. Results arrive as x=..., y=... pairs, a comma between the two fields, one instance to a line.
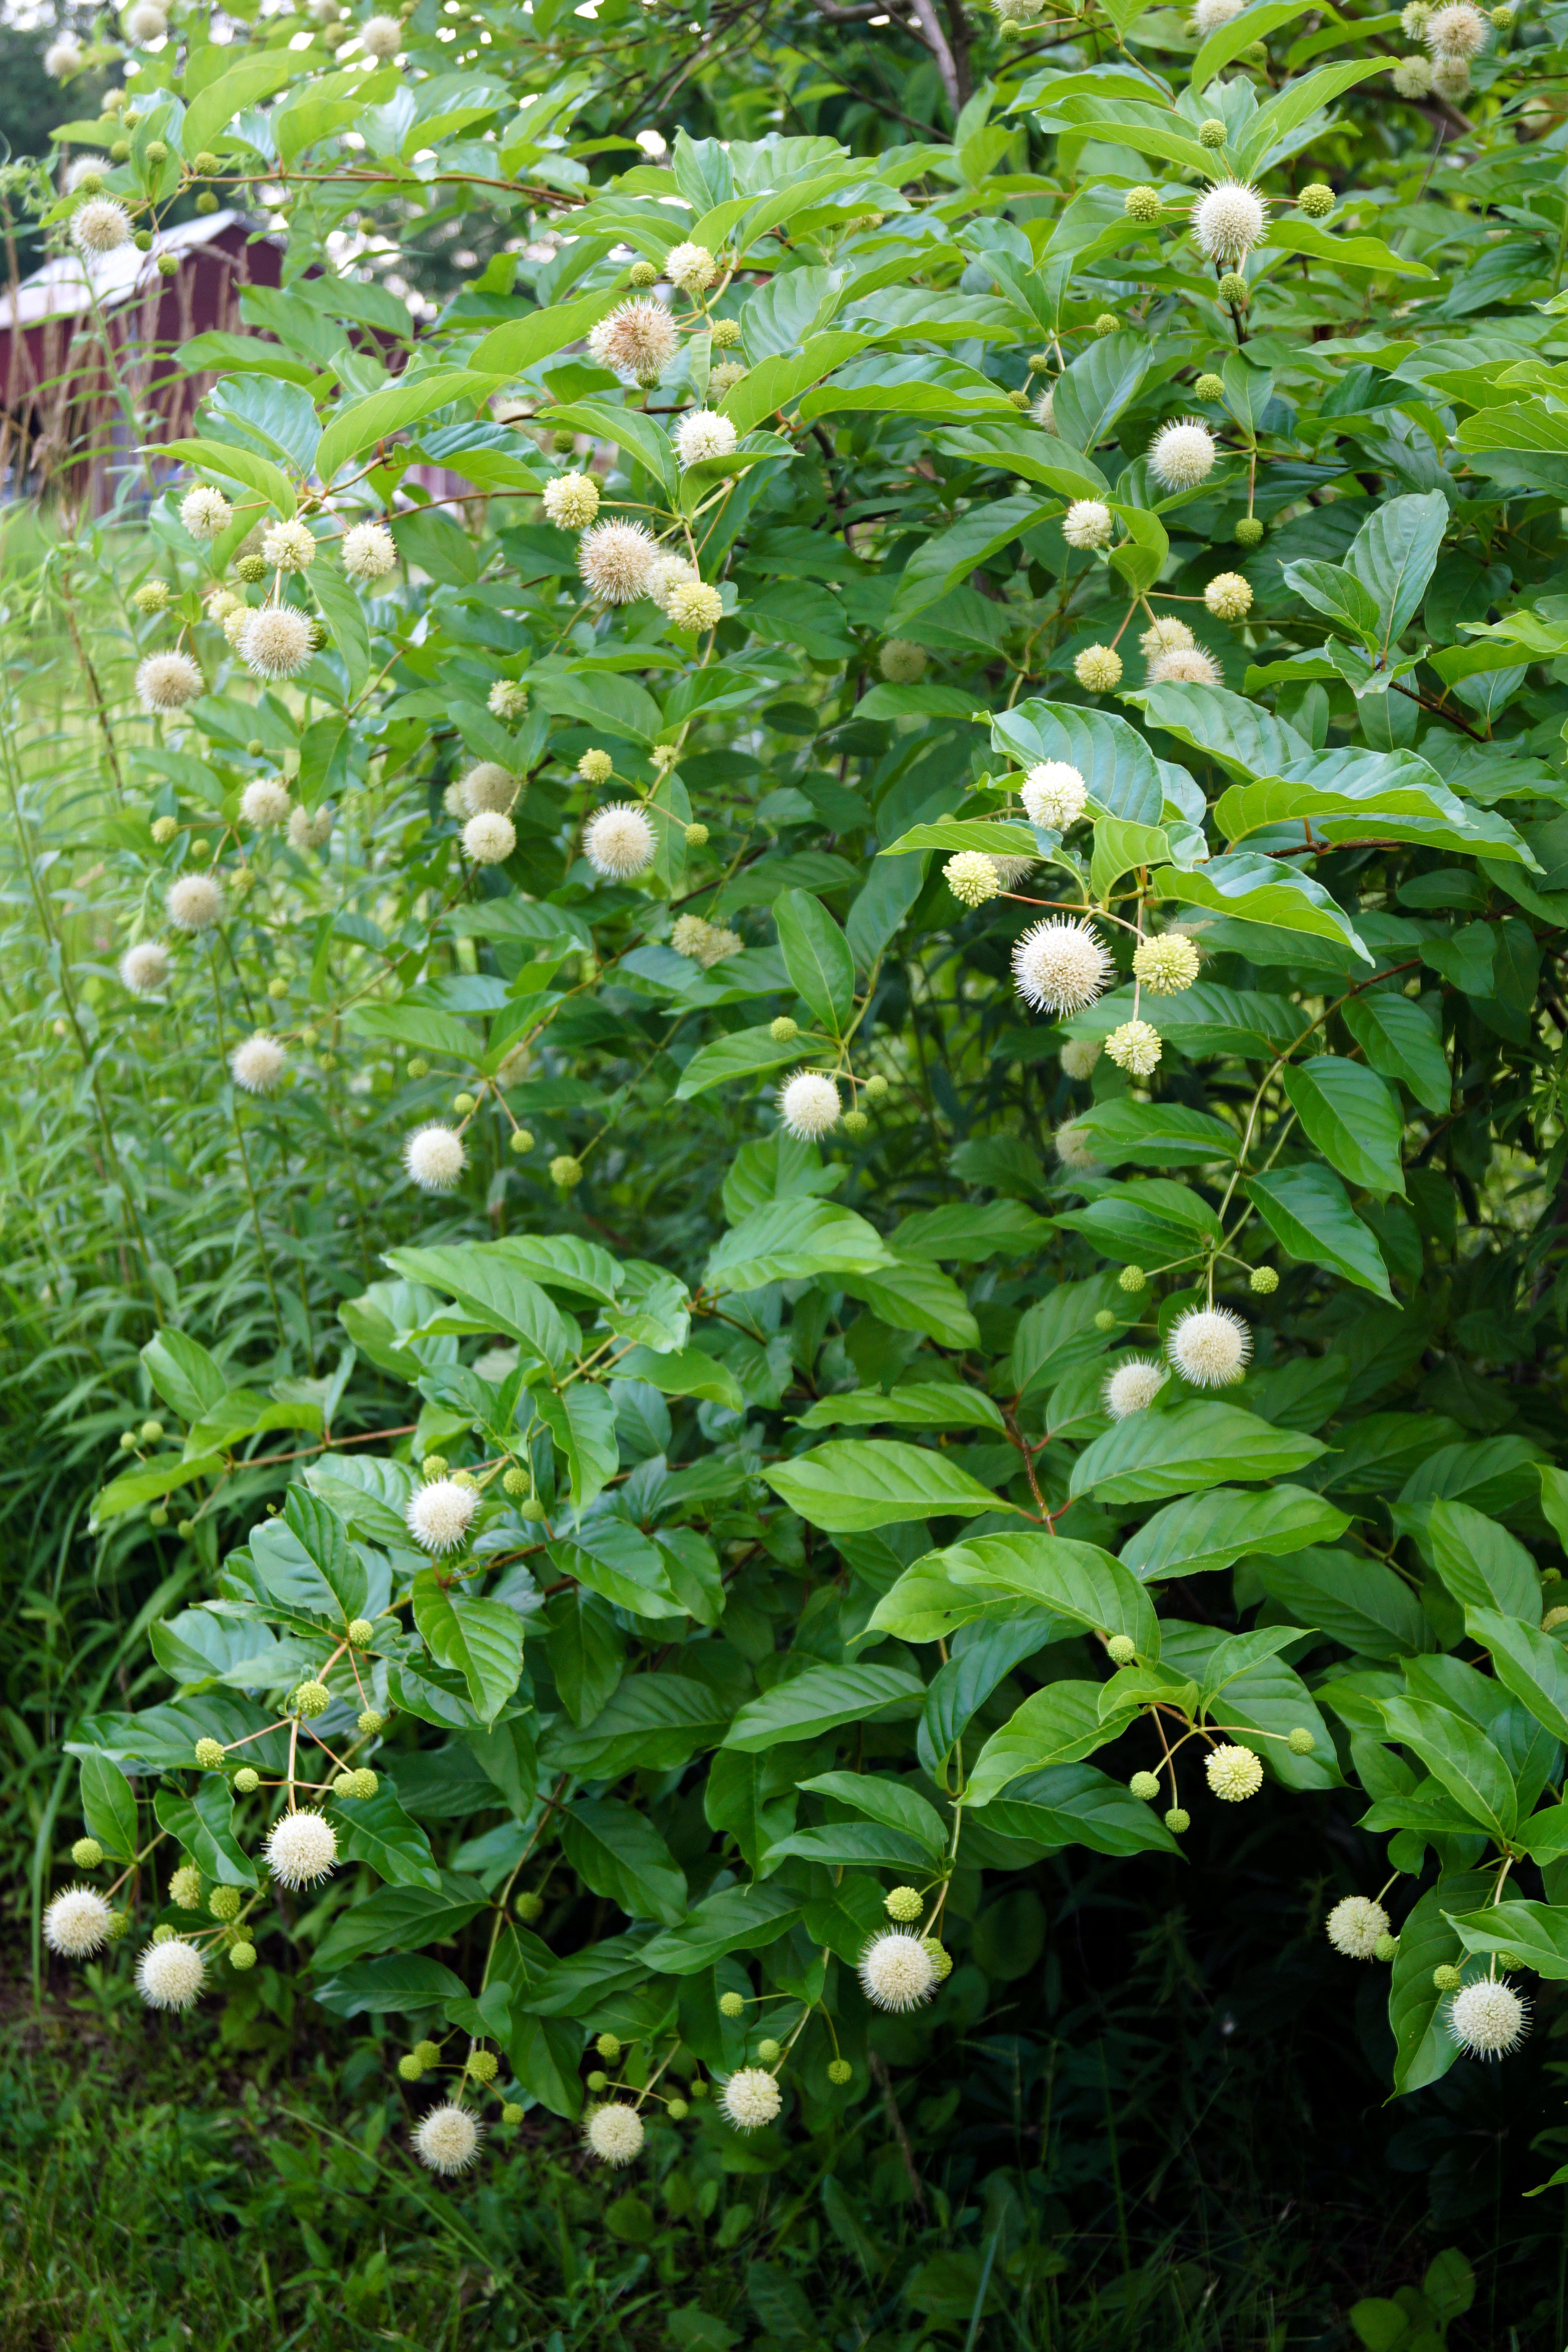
x=1296, y=103
x=243, y=84
x=1394, y=553
x=1261, y=1705
x=1307, y=1211
x=1528, y=1663
x=1227, y=41
x=184, y=1375
x=1482, y=1565
x=952, y=833
x=480, y=1640
x=1357, y=1601
x=1148, y=1221
x=582, y=1422
x=1074, y=1804
x=618, y=1852
x=1118, y=848
x=618, y=1560
x=321, y=1534
x=790, y=1241
x=1254, y=889
x=737, y=1919
x=520, y=344
x=777, y=380
x=545, y=2053
x=1068, y=1578
x=738, y=1054
x=817, y=957
x=751, y=1799
x=1153, y=1134
x=1115, y=762
x=204, y=1825
x=920, y=1405
x=1093, y=389
x=1060, y=1725
x=1352, y=1117
x=851, y=1845
x=1296, y=236
x=1427, y=1940
x=400, y=1918
x=414, y=1983
x=940, y=563
x=232, y=464
x=1401, y=1040
x=683, y=1371
x=1457, y=1753
x=108, y=1807
x=1538, y=1932
x=1213, y=1530
x=638, y=435
x=847, y=1484
x=917, y=1298
x=134, y=1488
x=377, y=1829
x=892, y=1802
x=1152, y=1454
x=490, y=1286
x=970, y=1232
x=820, y=1700
x=653, y=1722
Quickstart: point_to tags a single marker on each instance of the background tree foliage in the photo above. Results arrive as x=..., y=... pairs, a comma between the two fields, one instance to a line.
x=809, y=1561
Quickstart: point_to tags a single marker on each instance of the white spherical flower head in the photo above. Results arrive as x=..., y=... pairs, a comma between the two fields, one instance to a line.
x=265, y=801
x=166, y=682
x=1181, y=454
x=381, y=36
x=1164, y=635
x=1045, y=409
x=572, y=501
x=666, y=573
x=896, y=1971
x=1356, y=1926
x=691, y=267
x=809, y=1105
x=694, y=605
x=703, y=434
x=291, y=546
x=489, y=838
x=1487, y=2018
x=687, y=935
x=487, y=786
x=1060, y=967
x=145, y=968
x=206, y=512
x=1079, y=1055
x=639, y=339
x=440, y=1513
x=615, y=560
x=1167, y=965
x=448, y=2139
x=1413, y=77
x=1073, y=1149
x=369, y=551
x=302, y=1848
x=1209, y=1346
x=1054, y=795
x=435, y=1157
x=258, y=1064
x=194, y=903
x=170, y=1975
x=1228, y=220
x=618, y=841
x=1087, y=523
x=972, y=876
x=1229, y=596
x=76, y=1923
x=751, y=2098
x=275, y=641
x=100, y=226
x=1210, y=15
x=1233, y=1773
x=145, y=22
x=62, y=59
x=1450, y=76
x=1455, y=31
x=614, y=2133
x=1135, y=1047
x=1134, y=1386
x=308, y=832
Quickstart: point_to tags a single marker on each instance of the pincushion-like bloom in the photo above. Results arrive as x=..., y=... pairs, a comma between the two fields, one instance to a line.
x=170, y=1975
x=145, y=968
x=1054, y=795
x=1134, y=1386
x=206, y=512
x=440, y=1513
x=1059, y=966
x=100, y=226
x=614, y=2133
x=369, y=551
x=76, y=1923
x=615, y=560
x=702, y=432
x=1228, y=220
x=895, y=1970
x=751, y=2098
x=809, y=1105
x=167, y=682
x=639, y=339
x=194, y=903
x=265, y=801
x=258, y=1064
x=1233, y=1773
x=435, y=1157
x=1487, y=2018
x=302, y=1848
x=1181, y=454
x=448, y=2139
x=618, y=841
x=1356, y=1926
x=1210, y=1346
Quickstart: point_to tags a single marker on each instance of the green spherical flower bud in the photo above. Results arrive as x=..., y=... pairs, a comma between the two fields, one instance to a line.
x=427, y=2052
x=185, y=1888
x=167, y=265
x=184, y=1529
x=153, y=596
x=1121, y=1649
x=91, y=184
x=164, y=1933
x=599, y=2080
x=419, y=1068
x=520, y=1140
x=608, y=2046
x=876, y=1089
x=1232, y=288
x=1447, y=1980
x=855, y=1124
x=224, y=1902
x=371, y=1722
x=343, y=1786
x=206, y=165
x=1019, y=399
x=410, y=2068
x=1178, y=1820
x=1145, y=1785
x=209, y=1756
x=698, y=2088
x=939, y=1956
x=151, y=1431
x=1105, y=1320
x=1143, y=203
x=142, y=240
x=249, y=568
x=1209, y=387
x=529, y=1907
x=483, y=2065
x=248, y=1779
x=462, y=1104
x=511, y=2113
x=365, y=1784
x=119, y=1925
x=696, y=836
x=643, y=273
x=121, y=152
x=87, y=1853
x=158, y=1517
x=768, y=2050
x=156, y=151
x=1249, y=532
x=1132, y=1278
x=782, y=1030
x=361, y=1632
x=312, y=1698
x=840, y=2072
x=515, y=1482
x=902, y=1903
x=1212, y=132
x=1386, y=1948
x=255, y=747
x=1264, y=1280
x=433, y=1466
x=1301, y=1742
x=1510, y=1962
x=200, y=853
x=732, y=2004
x=464, y=1478
x=566, y=1171
x=242, y=1956
x=1107, y=323
x=1316, y=200
x=531, y=1507
x=677, y=2111
x=128, y=1441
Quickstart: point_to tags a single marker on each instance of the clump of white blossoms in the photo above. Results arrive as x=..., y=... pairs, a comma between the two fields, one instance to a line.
x=1233, y=1773
x=435, y=1157
x=275, y=641
x=1054, y=795
x=62, y=59
x=166, y=682
x=440, y=1514
x=1411, y=77
x=1455, y=31
x=508, y=698
x=1181, y=454
x=1228, y=220
x=1163, y=637
x=972, y=876
x=302, y=1848
x=1183, y=665
x=170, y=1975
x=1073, y=1148
x=1045, y=409
x=618, y=841
x=614, y=2133
x=1210, y=15
x=1079, y=1055
x=1098, y=668
x=639, y=339
x=448, y=2139
x=895, y=1970
x=694, y=605
x=194, y=903
x=615, y=560
x=703, y=434
x=381, y=36
x=488, y=785
x=1087, y=523
x=265, y=801
x=145, y=968
x=206, y=512
x=145, y=22
x=1136, y=1047
x=751, y=2098
x=1060, y=967
x=1134, y=1386
x=258, y=1064
x=309, y=831
x=691, y=267
x=489, y=838
x=1487, y=2018
x=76, y=1923
x=809, y=1105
x=289, y=546
x=571, y=500
x=1209, y=1346
x=1166, y=965
x=1229, y=596
x=666, y=573
x=704, y=943
x=369, y=551
x=100, y=226
x=1356, y=1926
